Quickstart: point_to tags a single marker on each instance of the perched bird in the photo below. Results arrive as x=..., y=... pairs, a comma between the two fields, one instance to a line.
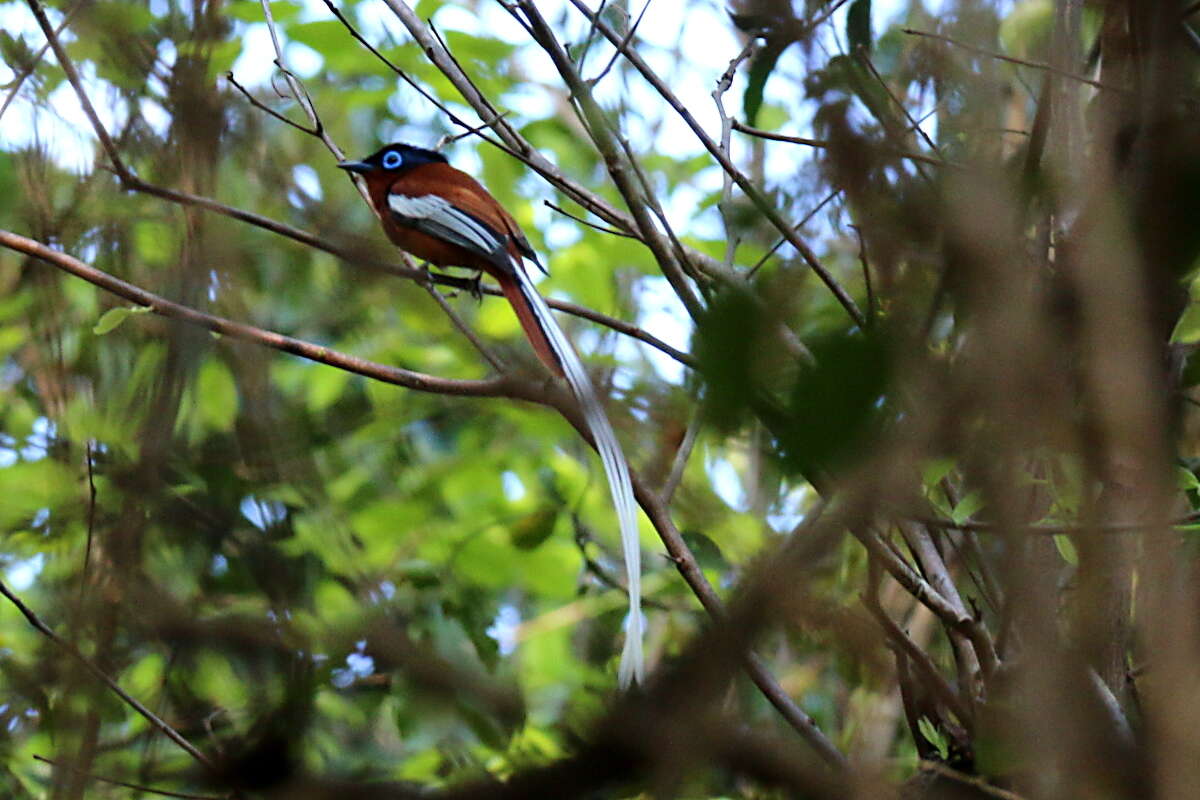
x=443, y=216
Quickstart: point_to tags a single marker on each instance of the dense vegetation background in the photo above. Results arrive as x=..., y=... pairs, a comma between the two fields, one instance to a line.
x=891, y=306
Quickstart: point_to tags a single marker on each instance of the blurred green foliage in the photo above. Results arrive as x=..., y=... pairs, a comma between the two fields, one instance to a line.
x=249, y=542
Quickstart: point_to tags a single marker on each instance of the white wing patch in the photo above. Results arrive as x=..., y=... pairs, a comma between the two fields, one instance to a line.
x=438, y=212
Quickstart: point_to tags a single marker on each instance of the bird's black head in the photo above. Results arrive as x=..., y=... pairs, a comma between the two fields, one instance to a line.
x=394, y=158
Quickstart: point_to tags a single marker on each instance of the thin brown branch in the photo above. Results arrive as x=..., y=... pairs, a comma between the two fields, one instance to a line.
x=624, y=42
x=493, y=387
x=866, y=270
x=804, y=221
x=175, y=736
x=470, y=131
x=133, y=183
x=463, y=327
x=685, y=561
x=68, y=67
x=619, y=168
x=724, y=84
x=135, y=786
x=1057, y=529
x=932, y=675
x=823, y=144
x=23, y=75
x=755, y=195
x=679, y=463
x=1013, y=59
x=254, y=101
x=952, y=617
x=970, y=653
x=865, y=60
x=974, y=781
x=592, y=225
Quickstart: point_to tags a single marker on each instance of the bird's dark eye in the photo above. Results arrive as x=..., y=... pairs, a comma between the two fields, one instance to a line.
x=392, y=159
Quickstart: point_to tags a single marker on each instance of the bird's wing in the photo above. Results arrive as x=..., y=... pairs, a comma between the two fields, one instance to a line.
x=443, y=219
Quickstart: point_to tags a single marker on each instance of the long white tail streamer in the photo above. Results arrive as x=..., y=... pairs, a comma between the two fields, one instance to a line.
x=633, y=667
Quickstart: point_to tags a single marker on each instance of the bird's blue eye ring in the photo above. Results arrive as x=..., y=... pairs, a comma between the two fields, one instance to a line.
x=392, y=160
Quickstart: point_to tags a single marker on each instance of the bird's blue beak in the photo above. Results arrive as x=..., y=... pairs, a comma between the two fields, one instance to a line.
x=361, y=167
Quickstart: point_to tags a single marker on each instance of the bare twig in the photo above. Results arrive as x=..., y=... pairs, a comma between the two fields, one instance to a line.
x=68, y=67
x=970, y=653
x=685, y=561
x=804, y=221
x=463, y=327
x=929, y=671
x=1056, y=529
x=592, y=225
x=624, y=42
x=172, y=734
x=756, y=196
x=952, y=617
x=136, y=786
x=1013, y=59
x=618, y=165
x=866, y=269
x=724, y=83
x=865, y=60
x=974, y=781
x=254, y=101
x=823, y=144
x=679, y=463
x=20, y=78
x=492, y=387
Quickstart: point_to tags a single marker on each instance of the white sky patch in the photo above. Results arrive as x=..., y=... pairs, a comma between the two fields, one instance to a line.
x=514, y=488
x=306, y=178
x=262, y=514
x=255, y=65
x=20, y=575
x=726, y=482
x=790, y=509
x=504, y=628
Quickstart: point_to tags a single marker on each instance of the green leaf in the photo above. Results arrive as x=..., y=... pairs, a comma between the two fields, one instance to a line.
x=216, y=393
x=1066, y=549
x=837, y=403
x=282, y=11
x=26, y=487
x=707, y=552
x=967, y=507
x=325, y=386
x=14, y=51
x=534, y=528
x=858, y=25
x=1186, y=480
x=1187, y=330
x=1026, y=30
x=933, y=470
x=110, y=320
x=934, y=736
x=760, y=69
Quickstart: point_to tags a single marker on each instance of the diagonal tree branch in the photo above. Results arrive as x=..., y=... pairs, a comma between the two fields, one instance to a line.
x=755, y=195
x=71, y=650
x=502, y=386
